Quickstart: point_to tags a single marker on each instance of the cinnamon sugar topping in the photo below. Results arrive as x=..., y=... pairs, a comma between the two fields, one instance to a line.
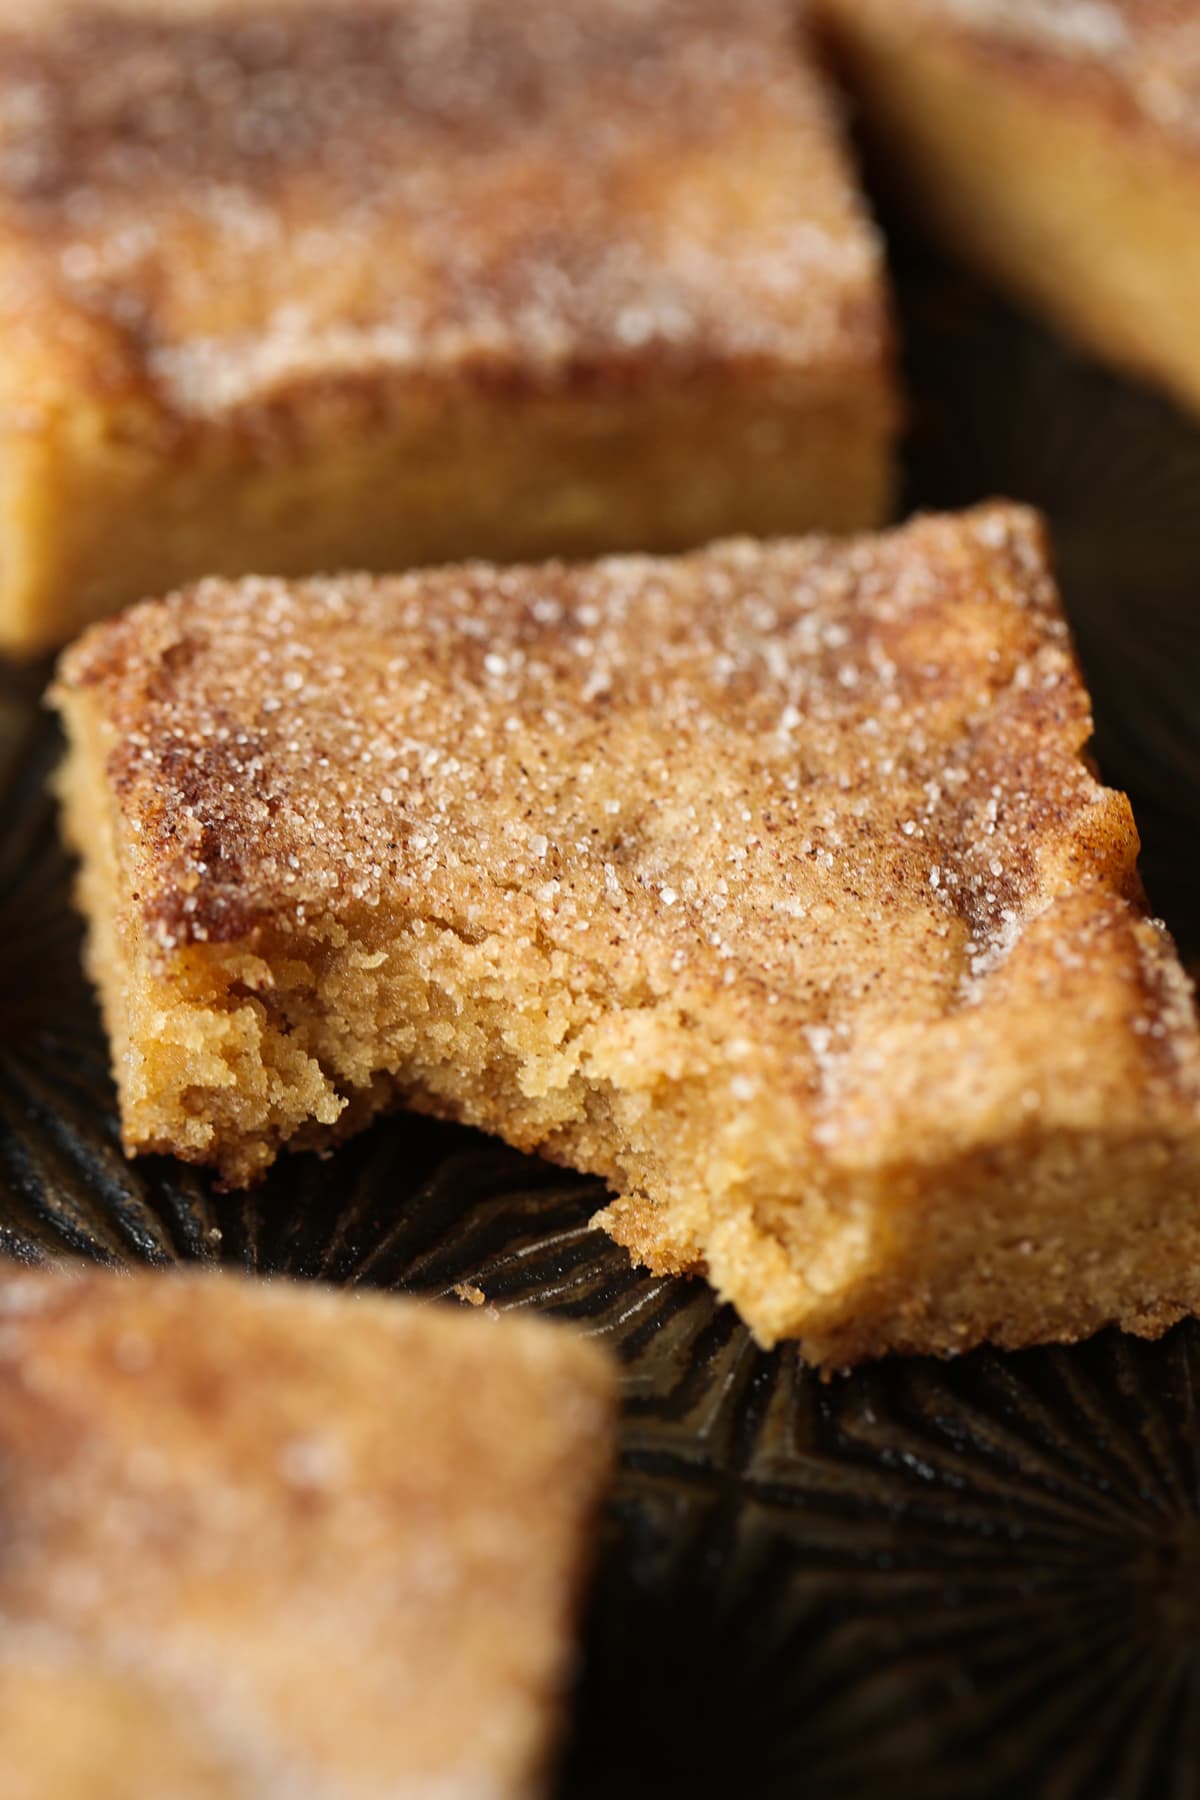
x=1150, y=48
x=253, y=196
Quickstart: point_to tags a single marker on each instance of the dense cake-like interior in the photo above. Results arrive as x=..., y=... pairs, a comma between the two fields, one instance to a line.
x=267, y=1542
x=772, y=883
x=294, y=287
x=1057, y=145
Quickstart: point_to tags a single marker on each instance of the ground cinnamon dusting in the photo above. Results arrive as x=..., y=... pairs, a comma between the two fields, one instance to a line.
x=218, y=1492
x=252, y=199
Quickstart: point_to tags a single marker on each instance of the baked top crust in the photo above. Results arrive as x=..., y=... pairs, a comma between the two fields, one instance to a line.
x=642, y=753
x=207, y=206
x=1141, y=58
x=219, y=1495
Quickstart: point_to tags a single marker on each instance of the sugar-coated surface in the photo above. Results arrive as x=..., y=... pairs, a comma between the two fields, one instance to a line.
x=268, y=1541
x=1149, y=48
x=223, y=200
x=691, y=759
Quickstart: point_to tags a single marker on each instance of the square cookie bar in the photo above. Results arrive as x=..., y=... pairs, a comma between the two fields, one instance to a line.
x=1056, y=145
x=271, y=1542
x=289, y=287
x=772, y=883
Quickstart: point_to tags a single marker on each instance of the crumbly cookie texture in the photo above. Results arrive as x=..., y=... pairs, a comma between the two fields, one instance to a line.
x=1055, y=143
x=301, y=286
x=772, y=883
x=270, y=1542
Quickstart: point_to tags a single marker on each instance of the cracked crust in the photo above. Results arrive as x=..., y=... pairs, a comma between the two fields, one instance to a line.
x=1056, y=145
x=218, y=1491
x=405, y=280
x=772, y=883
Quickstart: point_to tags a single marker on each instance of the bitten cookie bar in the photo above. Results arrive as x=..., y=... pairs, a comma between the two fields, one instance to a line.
x=772, y=883
x=268, y=1542
x=289, y=287
x=1057, y=145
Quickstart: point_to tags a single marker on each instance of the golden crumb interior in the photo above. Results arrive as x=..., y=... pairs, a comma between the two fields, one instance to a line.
x=200, y=1060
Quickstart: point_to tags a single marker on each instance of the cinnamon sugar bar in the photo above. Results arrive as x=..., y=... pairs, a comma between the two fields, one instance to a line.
x=265, y=1541
x=297, y=285
x=773, y=883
